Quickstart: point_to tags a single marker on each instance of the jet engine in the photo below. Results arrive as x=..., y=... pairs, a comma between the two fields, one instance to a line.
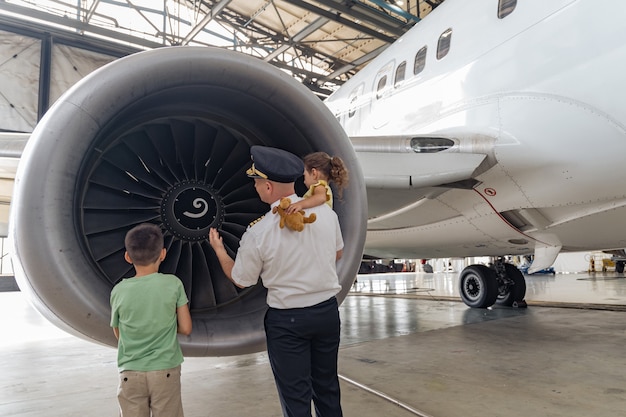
x=163, y=136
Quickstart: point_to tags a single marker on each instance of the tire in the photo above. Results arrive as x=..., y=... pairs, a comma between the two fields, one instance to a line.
x=478, y=286
x=509, y=294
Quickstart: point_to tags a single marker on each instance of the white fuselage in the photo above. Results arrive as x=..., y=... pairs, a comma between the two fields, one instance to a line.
x=536, y=98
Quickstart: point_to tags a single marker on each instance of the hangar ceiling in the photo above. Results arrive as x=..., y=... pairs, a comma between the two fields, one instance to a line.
x=322, y=43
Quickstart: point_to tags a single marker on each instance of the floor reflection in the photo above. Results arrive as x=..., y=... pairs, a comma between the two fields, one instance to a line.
x=591, y=288
x=367, y=318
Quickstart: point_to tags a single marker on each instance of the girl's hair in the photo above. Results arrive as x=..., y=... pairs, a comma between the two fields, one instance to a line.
x=144, y=243
x=332, y=167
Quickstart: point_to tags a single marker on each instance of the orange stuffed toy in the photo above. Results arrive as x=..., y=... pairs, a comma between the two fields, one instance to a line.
x=294, y=221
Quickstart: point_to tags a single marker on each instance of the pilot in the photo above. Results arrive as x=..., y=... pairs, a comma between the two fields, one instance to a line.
x=299, y=271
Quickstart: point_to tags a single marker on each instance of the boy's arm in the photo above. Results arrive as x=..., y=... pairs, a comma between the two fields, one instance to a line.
x=183, y=317
x=317, y=199
x=116, y=332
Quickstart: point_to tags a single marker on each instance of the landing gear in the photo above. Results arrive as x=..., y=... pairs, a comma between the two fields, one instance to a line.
x=511, y=285
x=481, y=286
x=478, y=286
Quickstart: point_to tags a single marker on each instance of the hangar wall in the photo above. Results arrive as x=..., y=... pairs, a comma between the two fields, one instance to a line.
x=29, y=72
x=36, y=67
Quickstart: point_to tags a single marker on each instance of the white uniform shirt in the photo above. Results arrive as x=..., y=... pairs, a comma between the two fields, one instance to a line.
x=297, y=268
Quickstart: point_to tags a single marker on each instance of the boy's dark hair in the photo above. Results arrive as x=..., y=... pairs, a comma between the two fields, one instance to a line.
x=144, y=243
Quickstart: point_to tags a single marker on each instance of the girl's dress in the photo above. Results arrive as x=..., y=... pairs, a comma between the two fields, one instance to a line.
x=329, y=192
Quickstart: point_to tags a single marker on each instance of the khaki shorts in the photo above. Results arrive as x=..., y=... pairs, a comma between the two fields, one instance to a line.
x=141, y=392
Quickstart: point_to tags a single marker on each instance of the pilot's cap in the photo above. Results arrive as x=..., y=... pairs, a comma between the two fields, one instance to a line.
x=274, y=164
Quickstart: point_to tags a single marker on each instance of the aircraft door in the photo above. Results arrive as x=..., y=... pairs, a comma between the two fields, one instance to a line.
x=352, y=119
x=381, y=90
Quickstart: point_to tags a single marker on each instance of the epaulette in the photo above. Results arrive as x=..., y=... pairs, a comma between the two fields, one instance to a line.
x=255, y=221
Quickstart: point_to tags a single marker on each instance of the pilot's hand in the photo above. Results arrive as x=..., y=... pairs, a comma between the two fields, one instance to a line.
x=215, y=240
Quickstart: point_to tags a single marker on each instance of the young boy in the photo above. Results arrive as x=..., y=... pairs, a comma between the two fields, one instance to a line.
x=146, y=313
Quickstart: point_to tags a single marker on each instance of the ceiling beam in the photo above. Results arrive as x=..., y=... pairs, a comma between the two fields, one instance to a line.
x=317, y=24
x=347, y=22
x=396, y=9
x=78, y=25
x=365, y=13
x=216, y=10
x=91, y=11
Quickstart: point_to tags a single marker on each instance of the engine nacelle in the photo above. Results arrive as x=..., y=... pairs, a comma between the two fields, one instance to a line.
x=163, y=136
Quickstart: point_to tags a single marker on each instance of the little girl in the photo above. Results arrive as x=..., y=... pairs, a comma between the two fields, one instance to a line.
x=320, y=169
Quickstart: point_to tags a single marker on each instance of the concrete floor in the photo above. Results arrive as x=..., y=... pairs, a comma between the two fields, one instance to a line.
x=408, y=348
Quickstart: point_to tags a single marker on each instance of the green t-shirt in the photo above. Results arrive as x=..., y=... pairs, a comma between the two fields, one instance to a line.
x=144, y=310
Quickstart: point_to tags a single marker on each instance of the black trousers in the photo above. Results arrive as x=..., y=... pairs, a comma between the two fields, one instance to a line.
x=303, y=344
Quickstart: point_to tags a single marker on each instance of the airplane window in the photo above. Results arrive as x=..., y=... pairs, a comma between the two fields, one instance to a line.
x=420, y=60
x=443, y=46
x=400, y=71
x=505, y=8
x=380, y=89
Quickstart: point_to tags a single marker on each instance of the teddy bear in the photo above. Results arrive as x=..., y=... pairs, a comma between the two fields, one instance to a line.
x=294, y=221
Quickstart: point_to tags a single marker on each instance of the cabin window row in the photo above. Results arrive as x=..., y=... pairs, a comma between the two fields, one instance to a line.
x=505, y=8
x=443, y=47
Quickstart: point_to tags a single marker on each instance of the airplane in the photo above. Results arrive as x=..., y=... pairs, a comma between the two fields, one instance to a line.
x=472, y=135
x=489, y=130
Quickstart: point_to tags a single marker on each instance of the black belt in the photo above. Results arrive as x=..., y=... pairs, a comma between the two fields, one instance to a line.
x=318, y=305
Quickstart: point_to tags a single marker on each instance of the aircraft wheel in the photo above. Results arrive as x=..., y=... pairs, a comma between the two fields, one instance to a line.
x=509, y=294
x=478, y=286
x=619, y=267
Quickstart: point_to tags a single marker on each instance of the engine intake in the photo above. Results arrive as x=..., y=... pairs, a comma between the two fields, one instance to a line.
x=163, y=136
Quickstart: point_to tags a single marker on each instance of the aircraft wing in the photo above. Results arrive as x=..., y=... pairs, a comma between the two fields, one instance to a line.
x=402, y=172
x=426, y=199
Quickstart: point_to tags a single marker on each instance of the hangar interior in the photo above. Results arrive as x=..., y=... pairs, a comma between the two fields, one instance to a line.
x=48, y=46
x=409, y=347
